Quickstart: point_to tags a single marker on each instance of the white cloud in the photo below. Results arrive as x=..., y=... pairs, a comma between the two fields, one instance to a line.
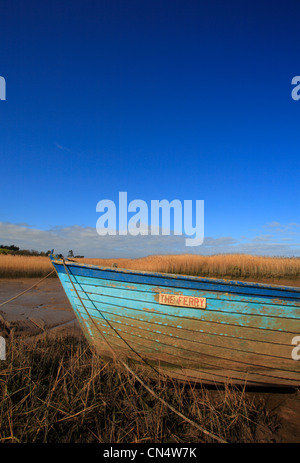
x=277, y=227
x=85, y=241
x=62, y=148
x=273, y=224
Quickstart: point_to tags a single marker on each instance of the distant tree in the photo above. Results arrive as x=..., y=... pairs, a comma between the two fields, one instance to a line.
x=4, y=251
x=10, y=248
x=15, y=250
x=70, y=253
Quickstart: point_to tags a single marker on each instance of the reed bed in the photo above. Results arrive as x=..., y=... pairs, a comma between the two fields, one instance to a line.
x=237, y=266
x=58, y=390
x=223, y=266
x=24, y=266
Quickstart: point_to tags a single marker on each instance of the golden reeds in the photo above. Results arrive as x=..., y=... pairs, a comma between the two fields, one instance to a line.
x=24, y=266
x=236, y=266
x=223, y=266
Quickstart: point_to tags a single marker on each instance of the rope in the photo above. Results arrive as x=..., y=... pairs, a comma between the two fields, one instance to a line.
x=108, y=322
x=200, y=428
x=26, y=290
x=203, y=430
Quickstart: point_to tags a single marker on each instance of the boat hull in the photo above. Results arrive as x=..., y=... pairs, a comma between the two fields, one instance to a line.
x=244, y=333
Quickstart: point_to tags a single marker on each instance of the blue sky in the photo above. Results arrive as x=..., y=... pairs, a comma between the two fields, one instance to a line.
x=161, y=99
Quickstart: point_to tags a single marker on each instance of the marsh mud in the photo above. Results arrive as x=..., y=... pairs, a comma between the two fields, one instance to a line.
x=45, y=308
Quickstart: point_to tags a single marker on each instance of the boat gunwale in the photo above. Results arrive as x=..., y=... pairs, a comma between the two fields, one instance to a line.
x=250, y=284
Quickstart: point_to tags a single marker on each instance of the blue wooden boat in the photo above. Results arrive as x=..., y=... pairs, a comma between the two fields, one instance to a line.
x=212, y=331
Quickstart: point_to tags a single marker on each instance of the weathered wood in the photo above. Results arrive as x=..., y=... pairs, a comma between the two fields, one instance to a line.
x=242, y=333
x=261, y=322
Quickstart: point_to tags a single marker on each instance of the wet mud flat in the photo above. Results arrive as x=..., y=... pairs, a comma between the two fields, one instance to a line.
x=45, y=309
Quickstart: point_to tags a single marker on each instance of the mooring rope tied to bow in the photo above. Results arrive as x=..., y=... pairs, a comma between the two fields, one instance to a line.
x=177, y=412
x=26, y=290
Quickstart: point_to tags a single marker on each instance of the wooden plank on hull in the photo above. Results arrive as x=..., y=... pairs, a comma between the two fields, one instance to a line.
x=221, y=371
x=180, y=281
x=206, y=329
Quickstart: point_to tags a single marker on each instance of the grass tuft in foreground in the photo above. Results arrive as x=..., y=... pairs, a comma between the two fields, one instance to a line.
x=58, y=390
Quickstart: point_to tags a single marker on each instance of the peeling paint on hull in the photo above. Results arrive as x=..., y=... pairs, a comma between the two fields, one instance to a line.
x=243, y=333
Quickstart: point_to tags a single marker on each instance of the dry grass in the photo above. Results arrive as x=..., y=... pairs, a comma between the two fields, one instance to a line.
x=24, y=266
x=225, y=265
x=237, y=266
x=60, y=391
